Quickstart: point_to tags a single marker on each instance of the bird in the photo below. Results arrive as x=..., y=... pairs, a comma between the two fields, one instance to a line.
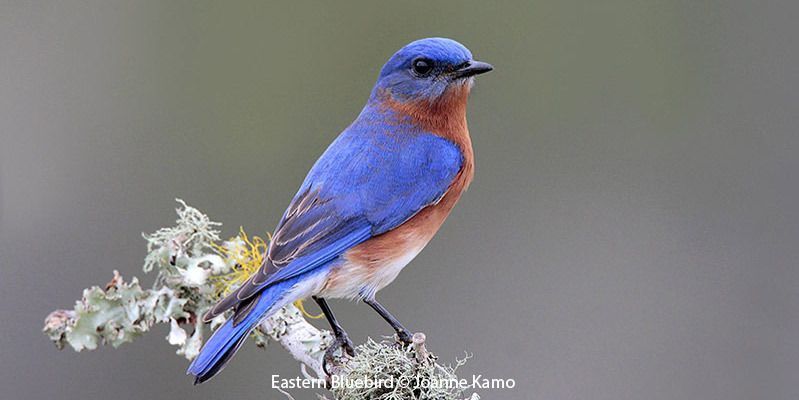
x=369, y=204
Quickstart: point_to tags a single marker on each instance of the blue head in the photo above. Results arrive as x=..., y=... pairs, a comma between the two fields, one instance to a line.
x=426, y=68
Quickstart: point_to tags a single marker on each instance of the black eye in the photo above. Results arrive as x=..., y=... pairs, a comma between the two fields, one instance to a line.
x=422, y=66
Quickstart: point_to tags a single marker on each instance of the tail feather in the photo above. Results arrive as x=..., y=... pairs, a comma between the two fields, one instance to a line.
x=226, y=340
x=220, y=360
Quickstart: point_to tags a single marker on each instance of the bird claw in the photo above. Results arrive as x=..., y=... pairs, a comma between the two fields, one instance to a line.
x=404, y=338
x=342, y=342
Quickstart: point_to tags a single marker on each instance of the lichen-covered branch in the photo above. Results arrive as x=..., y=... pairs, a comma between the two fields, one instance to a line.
x=114, y=315
x=194, y=268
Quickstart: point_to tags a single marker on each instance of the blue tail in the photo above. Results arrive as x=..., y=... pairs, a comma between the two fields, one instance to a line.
x=226, y=340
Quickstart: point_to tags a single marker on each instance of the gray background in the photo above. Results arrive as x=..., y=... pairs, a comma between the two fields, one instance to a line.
x=631, y=232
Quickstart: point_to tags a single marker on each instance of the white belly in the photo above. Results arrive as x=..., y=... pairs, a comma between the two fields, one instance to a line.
x=354, y=280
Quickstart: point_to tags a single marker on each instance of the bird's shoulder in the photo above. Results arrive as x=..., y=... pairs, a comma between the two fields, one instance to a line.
x=362, y=157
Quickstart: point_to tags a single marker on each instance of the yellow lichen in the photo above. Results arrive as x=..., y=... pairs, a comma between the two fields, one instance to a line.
x=246, y=256
x=301, y=307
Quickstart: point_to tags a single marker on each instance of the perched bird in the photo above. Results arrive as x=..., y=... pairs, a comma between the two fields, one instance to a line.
x=370, y=203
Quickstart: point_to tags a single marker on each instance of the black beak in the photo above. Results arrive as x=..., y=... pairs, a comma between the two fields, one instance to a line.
x=473, y=68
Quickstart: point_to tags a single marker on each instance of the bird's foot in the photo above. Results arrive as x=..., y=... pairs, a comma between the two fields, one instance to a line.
x=342, y=342
x=404, y=337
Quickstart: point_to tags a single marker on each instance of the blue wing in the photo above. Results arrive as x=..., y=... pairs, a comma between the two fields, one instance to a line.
x=366, y=183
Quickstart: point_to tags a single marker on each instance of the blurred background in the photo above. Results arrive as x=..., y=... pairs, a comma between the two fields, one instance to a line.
x=632, y=231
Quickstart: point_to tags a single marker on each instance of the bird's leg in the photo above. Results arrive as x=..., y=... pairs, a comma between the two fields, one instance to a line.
x=342, y=340
x=403, y=334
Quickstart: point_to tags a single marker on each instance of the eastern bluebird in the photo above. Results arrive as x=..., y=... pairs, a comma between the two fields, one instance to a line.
x=371, y=202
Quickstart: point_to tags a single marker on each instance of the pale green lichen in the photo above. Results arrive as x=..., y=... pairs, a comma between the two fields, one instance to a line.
x=114, y=315
x=185, y=260
x=193, y=235
x=392, y=372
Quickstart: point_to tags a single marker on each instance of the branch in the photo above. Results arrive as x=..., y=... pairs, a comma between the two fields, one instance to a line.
x=194, y=268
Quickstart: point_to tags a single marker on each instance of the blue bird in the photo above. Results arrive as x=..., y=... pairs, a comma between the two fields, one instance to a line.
x=369, y=205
